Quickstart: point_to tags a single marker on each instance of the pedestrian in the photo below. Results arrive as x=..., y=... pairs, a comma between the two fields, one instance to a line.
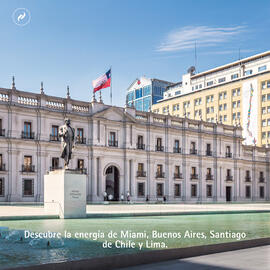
x=105, y=196
x=122, y=197
x=128, y=197
x=147, y=198
x=164, y=199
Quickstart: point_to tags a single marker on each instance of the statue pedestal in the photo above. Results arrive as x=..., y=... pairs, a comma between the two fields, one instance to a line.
x=65, y=193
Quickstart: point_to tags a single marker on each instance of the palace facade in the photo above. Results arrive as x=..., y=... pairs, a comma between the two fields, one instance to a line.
x=124, y=151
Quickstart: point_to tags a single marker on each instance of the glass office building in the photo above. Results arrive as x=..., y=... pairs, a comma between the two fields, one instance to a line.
x=144, y=92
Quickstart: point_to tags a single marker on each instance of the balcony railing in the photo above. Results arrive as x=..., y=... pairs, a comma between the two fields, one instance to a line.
x=81, y=140
x=208, y=153
x=53, y=168
x=178, y=176
x=140, y=146
x=28, y=168
x=141, y=174
x=2, y=132
x=209, y=177
x=248, y=179
x=113, y=143
x=228, y=155
x=160, y=175
x=177, y=150
x=159, y=148
x=2, y=167
x=28, y=135
x=261, y=179
x=194, y=176
x=229, y=178
x=54, y=138
x=193, y=151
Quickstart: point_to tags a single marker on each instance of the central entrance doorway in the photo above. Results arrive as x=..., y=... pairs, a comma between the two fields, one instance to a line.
x=228, y=194
x=112, y=183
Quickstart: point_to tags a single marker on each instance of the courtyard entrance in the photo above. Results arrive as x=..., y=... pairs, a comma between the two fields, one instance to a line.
x=112, y=183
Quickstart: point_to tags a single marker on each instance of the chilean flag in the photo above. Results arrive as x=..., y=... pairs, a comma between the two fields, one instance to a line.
x=103, y=81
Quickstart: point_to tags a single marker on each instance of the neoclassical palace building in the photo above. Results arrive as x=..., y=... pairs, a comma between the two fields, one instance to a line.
x=123, y=151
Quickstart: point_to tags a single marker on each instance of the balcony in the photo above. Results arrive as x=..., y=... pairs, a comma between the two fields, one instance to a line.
x=178, y=176
x=140, y=146
x=28, y=135
x=113, y=143
x=208, y=153
x=248, y=179
x=209, y=177
x=159, y=148
x=81, y=140
x=177, y=150
x=229, y=178
x=228, y=155
x=160, y=175
x=261, y=179
x=28, y=168
x=2, y=167
x=53, y=168
x=193, y=151
x=194, y=176
x=141, y=174
x=2, y=132
x=54, y=138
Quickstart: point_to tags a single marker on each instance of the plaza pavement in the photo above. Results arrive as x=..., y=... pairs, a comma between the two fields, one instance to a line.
x=257, y=258
x=102, y=210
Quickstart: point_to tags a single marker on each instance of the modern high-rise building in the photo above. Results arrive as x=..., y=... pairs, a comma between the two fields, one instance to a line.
x=144, y=92
x=237, y=93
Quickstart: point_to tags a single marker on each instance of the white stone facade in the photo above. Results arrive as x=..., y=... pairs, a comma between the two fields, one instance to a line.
x=108, y=146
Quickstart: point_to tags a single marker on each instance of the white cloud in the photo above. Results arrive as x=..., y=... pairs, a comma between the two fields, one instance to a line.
x=204, y=36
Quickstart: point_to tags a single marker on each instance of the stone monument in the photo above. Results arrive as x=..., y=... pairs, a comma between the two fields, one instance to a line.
x=65, y=189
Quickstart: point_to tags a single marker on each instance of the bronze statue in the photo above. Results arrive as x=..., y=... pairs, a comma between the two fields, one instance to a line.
x=66, y=133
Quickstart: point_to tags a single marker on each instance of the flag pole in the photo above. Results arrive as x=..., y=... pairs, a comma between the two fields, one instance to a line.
x=111, y=86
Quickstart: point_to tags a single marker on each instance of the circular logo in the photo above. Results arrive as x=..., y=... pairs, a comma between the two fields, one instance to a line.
x=21, y=16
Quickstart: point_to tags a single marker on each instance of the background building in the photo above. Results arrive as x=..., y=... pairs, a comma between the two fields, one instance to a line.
x=123, y=151
x=236, y=93
x=144, y=92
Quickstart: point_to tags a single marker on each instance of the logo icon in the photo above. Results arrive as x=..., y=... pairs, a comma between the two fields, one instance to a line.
x=21, y=16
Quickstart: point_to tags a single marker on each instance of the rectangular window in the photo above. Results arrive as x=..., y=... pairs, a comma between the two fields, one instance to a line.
x=210, y=83
x=55, y=163
x=261, y=192
x=159, y=169
x=262, y=68
x=27, y=127
x=234, y=76
x=80, y=164
x=141, y=190
x=177, y=190
x=248, y=72
x=263, y=98
x=177, y=170
x=224, y=106
x=268, y=84
x=28, y=187
x=238, y=92
x=234, y=104
x=263, y=110
x=264, y=123
x=263, y=85
x=27, y=161
x=238, y=103
x=209, y=190
x=80, y=133
x=193, y=190
x=220, y=80
x=140, y=167
x=159, y=190
x=225, y=118
x=176, y=144
x=248, y=191
x=55, y=131
x=2, y=187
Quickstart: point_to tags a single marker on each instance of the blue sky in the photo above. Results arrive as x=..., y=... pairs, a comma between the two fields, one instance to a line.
x=73, y=42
